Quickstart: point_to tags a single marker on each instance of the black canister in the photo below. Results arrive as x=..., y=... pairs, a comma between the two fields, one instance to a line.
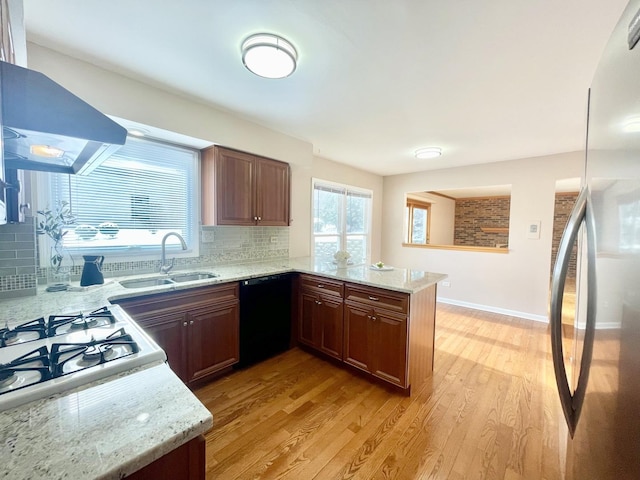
x=92, y=270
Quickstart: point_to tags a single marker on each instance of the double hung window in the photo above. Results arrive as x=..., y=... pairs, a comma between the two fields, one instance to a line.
x=127, y=204
x=341, y=221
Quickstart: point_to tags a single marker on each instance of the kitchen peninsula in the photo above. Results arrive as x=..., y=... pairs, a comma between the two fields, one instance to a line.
x=149, y=412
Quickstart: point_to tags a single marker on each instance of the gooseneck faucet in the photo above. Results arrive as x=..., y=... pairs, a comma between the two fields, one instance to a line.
x=167, y=268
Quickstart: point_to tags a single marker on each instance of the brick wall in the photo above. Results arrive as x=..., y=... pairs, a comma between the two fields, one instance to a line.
x=473, y=213
x=563, y=206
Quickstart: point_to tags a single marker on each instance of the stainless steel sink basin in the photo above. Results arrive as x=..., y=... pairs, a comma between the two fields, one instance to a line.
x=145, y=282
x=166, y=280
x=191, y=276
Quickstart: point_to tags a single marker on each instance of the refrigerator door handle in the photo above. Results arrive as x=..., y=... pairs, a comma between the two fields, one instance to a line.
x=572, y=403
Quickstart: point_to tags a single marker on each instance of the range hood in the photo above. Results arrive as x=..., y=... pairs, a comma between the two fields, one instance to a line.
x=47, y=128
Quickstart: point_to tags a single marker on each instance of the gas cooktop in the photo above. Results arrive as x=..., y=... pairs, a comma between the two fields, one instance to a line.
x=39, y=358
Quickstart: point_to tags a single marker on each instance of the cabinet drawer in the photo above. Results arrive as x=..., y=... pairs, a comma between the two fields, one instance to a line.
x=377, y=297
x=149, y=305
x=311, y=283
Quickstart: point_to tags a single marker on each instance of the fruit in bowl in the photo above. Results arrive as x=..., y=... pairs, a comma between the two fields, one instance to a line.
x=379, y=264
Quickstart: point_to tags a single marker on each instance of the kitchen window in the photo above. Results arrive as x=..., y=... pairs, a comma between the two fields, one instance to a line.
x=417, y=219
x=126, y=205
x=341, y=221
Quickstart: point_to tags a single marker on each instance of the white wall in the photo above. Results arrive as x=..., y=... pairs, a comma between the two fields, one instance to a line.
x=443, y=218
x=123, y=97
x=515, y=283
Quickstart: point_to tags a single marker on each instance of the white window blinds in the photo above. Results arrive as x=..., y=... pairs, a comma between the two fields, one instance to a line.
x=127, y=204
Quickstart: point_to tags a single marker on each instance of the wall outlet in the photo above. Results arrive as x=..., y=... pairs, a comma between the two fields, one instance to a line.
x=446, y=283
x=273, y=239
x=208, y=236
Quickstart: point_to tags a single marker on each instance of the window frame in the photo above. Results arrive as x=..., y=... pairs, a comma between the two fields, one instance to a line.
x=412, y=204
x=44, y=198
x=342, y=233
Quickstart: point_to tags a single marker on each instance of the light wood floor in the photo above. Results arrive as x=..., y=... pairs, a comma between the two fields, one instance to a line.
x=490, y=412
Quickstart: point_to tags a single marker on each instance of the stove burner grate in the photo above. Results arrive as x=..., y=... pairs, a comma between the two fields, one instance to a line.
x=28, y=369
x=59, y=324
x=33, y=330
x=71, y=357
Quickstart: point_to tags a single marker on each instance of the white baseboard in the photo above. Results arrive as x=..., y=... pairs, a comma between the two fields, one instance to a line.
x=503, y=311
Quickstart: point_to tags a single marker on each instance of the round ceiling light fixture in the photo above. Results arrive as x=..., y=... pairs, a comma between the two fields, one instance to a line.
x=269, y=56
x=428, y=152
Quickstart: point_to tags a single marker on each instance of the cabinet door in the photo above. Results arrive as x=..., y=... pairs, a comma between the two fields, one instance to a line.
x=169, y=331
x=308, y=329
x=272, y=192
x=389, y=347
x=213, y=339
x=357, y=336
x=234, y=188
x=329, y=314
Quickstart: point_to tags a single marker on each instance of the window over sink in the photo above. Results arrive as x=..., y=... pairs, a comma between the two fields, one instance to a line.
x=126, y=205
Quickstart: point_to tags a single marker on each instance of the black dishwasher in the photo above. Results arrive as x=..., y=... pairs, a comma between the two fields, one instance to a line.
x=265, y=317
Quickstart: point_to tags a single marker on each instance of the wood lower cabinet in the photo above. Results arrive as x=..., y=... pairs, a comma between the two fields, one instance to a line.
x=239, y=188
x=375, y=340
x=198, y=328
x=186, y=462
x=213, y=340
x=320, y=317
x=387, y=334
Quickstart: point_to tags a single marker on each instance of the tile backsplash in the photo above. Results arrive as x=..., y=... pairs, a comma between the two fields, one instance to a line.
x=222, y=245
x=18, y=259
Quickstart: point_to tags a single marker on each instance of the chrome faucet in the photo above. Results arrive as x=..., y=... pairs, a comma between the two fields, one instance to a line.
x=167, y=268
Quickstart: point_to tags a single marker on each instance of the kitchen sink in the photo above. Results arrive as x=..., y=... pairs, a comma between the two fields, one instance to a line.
x=145, y=282
x=166, y=280
x=191, y=276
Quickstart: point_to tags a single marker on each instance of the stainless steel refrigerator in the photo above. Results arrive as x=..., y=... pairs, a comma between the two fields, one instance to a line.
x=599, y=378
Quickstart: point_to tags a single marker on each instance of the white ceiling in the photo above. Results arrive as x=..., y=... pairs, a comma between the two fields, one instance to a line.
x=486, y=80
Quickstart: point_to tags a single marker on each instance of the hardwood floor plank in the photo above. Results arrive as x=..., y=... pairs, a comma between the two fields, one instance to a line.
x=489, y=411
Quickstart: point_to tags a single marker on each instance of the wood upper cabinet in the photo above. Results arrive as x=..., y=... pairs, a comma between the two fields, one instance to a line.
x=320, y=316
x=239, y=188
x=197, y=328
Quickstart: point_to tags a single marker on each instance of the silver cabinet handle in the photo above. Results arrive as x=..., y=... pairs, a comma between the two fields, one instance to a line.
x=375, y=299
x=184, y=324
x=191, y=322
x=320, y=285
x=572, y=403
x=259, y=218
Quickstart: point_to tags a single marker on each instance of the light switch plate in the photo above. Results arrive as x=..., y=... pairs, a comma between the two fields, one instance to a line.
x=533, y=230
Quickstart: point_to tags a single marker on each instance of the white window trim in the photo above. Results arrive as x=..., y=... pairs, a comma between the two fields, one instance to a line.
x=343, y=235
x=129, y=255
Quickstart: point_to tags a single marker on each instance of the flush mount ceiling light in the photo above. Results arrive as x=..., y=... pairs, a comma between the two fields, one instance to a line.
x=269, y=55
x=429, y=152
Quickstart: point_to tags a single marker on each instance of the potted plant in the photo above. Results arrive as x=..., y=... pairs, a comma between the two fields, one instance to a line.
x=53, y=224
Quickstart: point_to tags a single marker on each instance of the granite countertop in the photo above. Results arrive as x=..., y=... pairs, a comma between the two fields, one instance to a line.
x=104, y=430
x=119, y=424
x=45, y=303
